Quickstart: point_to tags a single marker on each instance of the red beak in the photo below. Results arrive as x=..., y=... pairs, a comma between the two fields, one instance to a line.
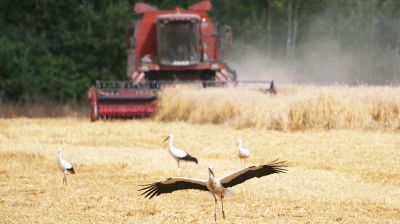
x=212, y=173
x=165, y=139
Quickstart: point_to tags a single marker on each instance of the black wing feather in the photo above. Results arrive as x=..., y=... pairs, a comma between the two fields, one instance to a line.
x=189, y=158
x=71, y=170
x=257, y=171
x=155, y=189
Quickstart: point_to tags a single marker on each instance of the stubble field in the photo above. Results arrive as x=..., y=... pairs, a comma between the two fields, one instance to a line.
x=335, y=174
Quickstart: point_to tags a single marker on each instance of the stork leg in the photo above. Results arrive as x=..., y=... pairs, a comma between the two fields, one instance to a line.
x=215, y=209
x=65, y=179
x=222, y=202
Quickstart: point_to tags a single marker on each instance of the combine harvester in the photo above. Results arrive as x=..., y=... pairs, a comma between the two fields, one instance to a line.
x=165, y=47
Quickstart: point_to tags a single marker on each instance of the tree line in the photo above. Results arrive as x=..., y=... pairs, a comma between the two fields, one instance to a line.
x=55, y=50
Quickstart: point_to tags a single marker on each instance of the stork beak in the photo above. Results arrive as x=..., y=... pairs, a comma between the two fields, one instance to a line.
x=165, y=139
x=211, y=171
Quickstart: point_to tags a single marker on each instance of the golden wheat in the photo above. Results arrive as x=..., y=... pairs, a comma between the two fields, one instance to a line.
x=348, y=176
x=294, y=108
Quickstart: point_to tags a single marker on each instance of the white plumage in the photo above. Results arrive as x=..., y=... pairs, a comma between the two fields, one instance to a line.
x=178, y=154
x=64, y=166
x=217, y=186
x=244, y=153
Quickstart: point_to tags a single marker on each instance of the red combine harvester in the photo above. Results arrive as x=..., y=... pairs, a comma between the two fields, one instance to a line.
x=164, y=47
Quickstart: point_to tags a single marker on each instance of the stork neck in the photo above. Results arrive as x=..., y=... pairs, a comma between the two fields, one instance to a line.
x=170, y=141
x=59, y=154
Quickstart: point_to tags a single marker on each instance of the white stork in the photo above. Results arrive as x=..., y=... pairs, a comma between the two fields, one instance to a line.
x=178, y=154
x=64, y=166
x=217, y=186
x=244, y=153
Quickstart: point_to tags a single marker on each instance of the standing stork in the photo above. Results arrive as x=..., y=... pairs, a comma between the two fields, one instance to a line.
x=64, y=166
x=217, y=186
x=178, y=154
x=244, y=153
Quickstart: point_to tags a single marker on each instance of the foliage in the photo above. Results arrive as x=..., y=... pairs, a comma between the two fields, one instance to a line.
x=54, y=50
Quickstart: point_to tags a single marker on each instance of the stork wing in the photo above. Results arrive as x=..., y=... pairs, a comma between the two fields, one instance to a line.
x=253, y=171
x=172, y=184
x=179, y=153
x=65, y=164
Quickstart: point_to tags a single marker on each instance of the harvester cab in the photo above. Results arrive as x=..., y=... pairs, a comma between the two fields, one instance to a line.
x=178, y=39
x=176, y=45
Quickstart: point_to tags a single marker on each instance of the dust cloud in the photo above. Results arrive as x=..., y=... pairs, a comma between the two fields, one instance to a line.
x=319, y=62
x=322, y=56
x=254, y=64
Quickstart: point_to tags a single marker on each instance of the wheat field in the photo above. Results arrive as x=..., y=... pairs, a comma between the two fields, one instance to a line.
x=345, y=172
x=296, y=107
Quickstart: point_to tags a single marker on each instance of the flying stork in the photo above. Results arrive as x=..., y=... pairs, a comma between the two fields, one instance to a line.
x=178, y=154
x=244, y=153
x=218, y=187
x=64, y=166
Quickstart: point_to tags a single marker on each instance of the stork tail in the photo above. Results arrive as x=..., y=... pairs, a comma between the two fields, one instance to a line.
x=190, y=158
x=71, y=170
x=228, y=192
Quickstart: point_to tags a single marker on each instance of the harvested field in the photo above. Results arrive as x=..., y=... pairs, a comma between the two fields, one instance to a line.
x=342, y=175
